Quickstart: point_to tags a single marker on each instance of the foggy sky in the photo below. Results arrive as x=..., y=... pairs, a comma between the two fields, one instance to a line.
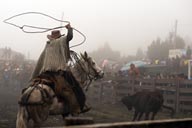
x=125, y=24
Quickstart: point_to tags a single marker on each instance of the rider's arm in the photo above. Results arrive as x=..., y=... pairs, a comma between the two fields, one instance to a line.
x=69, y=33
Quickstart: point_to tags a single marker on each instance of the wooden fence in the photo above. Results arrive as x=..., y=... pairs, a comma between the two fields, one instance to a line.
x=177, y=93
x=171, y=123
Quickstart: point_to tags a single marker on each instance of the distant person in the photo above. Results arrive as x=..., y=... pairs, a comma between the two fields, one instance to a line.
x=188, y=52
x=133, y=71
x=156, y=61
x=177, y=63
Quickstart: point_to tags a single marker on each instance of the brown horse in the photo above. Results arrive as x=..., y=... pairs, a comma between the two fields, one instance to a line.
x=39, y=101
x=145, y=102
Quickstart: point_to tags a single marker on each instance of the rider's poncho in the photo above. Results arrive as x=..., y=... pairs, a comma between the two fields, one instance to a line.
x=53, y=57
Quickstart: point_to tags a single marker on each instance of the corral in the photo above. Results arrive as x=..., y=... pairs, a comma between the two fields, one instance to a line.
x=104, y=97
x=177, y=92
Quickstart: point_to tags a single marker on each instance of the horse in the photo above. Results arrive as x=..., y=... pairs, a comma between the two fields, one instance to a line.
x=145, y=102
x=39, y=101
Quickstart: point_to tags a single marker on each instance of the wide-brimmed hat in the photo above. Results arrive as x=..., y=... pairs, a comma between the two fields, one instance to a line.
x=54, y=34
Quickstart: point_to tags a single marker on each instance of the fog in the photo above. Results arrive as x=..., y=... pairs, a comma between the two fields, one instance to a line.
x=125, y=24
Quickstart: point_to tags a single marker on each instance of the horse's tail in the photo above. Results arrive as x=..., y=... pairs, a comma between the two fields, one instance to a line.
x=22, y=117
x=171, y=109
x=31, y=105
x=22, y=114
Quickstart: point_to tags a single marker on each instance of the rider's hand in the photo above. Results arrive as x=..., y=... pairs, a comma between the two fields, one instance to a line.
x=68, y=26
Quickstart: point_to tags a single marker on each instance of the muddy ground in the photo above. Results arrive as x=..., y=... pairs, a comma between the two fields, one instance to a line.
x=101, y=112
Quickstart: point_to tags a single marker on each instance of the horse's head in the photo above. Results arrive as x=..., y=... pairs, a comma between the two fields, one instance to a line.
x=90, y=67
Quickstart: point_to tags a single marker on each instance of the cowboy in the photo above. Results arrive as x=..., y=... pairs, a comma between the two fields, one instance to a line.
x=53, y=60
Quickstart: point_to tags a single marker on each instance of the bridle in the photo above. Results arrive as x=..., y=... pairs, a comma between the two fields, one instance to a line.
x=89, y=76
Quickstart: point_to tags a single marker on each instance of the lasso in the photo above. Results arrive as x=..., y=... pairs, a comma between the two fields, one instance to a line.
x=43, y=29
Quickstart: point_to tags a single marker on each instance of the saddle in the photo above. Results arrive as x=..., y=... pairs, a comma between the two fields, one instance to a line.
x=65, y=87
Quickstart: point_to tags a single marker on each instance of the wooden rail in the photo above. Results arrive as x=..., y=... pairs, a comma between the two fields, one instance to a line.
x=171, y=123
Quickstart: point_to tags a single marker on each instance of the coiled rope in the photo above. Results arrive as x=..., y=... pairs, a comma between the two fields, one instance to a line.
x=43, y=29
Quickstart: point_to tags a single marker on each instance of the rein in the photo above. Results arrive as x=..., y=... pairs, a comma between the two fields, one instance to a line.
x=89, y=77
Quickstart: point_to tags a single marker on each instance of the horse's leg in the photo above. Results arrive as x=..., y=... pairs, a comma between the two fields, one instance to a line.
x=36, y=125
x=66, y=109
x=153, y=115
x=65, y=115
x=140, y=115
x=22, y=118
x=135, y=115
x=147, y=116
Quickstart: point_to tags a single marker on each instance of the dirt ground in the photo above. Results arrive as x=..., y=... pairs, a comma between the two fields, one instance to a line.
x=9, y=106
x=100, y=112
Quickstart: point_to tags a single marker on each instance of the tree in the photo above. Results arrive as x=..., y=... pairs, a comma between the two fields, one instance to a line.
x=105, y=52
x=154, y=50
x=139, y=54
x=160, y=49
x=188, y=52
x=179, y=42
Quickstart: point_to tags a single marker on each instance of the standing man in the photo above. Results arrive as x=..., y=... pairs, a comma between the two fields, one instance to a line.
x=188, y=52
x=133, y=71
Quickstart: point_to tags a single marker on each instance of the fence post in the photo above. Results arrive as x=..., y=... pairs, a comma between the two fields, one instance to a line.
x=154, y=83
x=101, y=93
x=177, y=95
x=132, y=82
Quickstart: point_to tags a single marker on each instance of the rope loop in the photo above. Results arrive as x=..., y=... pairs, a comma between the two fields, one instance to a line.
x=41, y=28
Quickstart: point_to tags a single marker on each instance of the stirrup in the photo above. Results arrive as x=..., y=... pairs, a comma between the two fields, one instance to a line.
x=86, y=109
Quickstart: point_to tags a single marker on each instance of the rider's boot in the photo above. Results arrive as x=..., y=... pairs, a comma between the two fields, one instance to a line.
x=86, y=108
x=66, y=112
x=64, y=100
